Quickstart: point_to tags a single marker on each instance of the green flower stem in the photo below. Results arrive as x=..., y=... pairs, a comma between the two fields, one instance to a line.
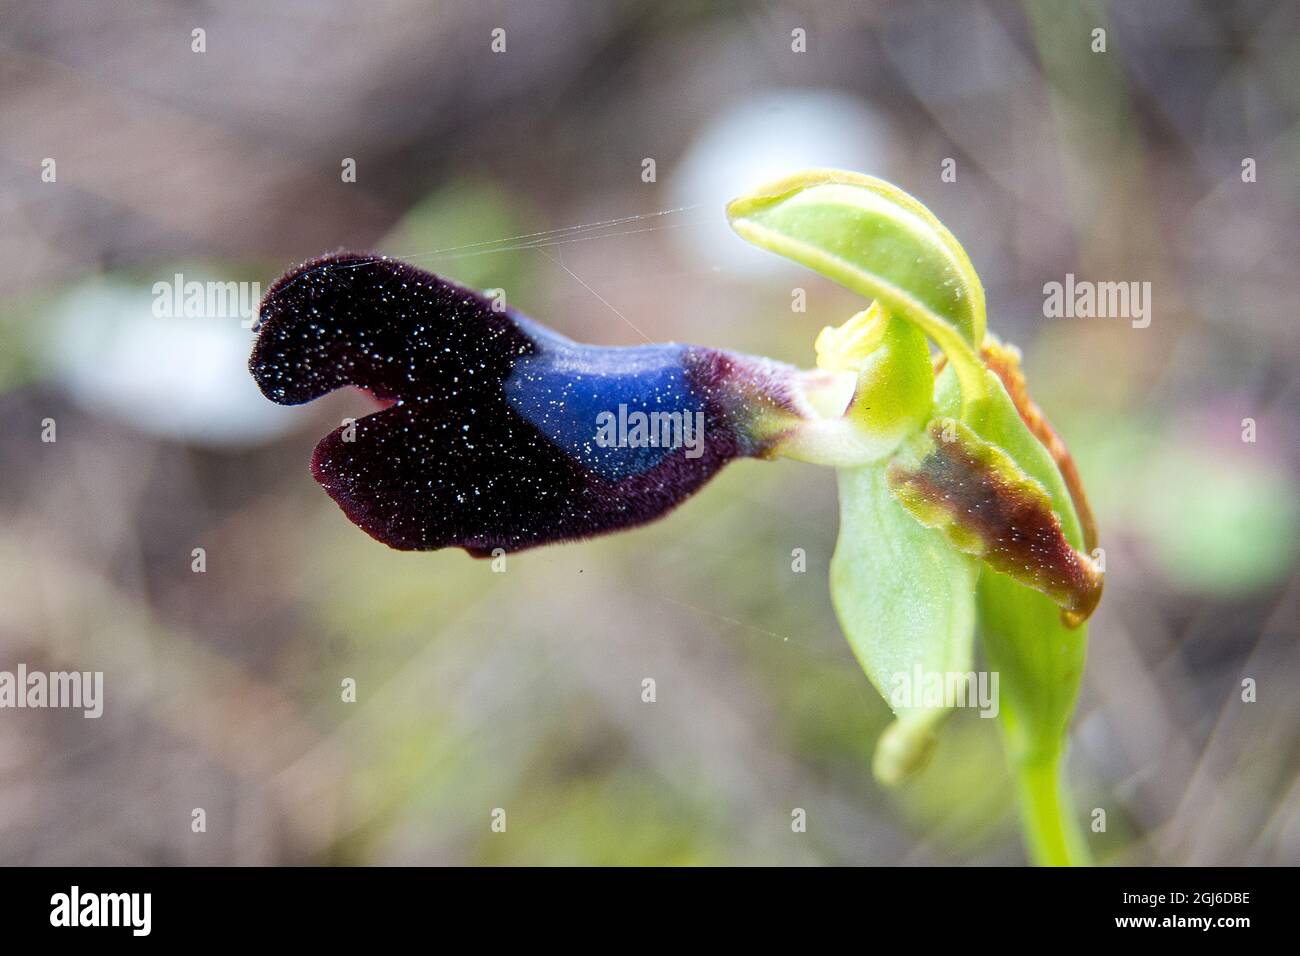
x=1052, y=834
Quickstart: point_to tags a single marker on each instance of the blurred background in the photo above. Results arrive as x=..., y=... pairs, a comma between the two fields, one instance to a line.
x=522, y=690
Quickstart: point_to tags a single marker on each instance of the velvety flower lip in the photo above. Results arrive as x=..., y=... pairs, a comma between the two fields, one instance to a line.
x=490, y=435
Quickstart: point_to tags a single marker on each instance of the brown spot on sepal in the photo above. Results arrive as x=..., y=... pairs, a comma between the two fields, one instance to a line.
x=986, y=506
x=1004, y=361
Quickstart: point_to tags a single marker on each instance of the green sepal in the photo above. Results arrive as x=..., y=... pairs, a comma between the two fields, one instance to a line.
x=905, y=600
x=1039, y=658
x=877, y=240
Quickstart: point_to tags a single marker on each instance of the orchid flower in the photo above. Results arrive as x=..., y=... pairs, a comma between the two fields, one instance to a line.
x=961, y=511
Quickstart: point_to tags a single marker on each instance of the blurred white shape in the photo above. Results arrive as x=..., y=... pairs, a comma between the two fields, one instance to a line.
x=765, y=137
x=182, y=379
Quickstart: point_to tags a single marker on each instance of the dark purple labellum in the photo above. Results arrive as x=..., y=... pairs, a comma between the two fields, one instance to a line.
x=500, y=433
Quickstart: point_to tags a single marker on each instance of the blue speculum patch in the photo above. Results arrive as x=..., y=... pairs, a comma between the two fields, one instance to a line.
x=618, y=411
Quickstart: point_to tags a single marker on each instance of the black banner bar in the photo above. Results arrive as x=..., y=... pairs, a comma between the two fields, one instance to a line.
x=332, y=905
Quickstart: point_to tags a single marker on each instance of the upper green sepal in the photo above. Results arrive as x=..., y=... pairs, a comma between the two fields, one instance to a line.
x=875, y=239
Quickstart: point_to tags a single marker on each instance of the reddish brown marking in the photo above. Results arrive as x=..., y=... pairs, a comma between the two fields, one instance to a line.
x=1005, y=363
x=1012, y=519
